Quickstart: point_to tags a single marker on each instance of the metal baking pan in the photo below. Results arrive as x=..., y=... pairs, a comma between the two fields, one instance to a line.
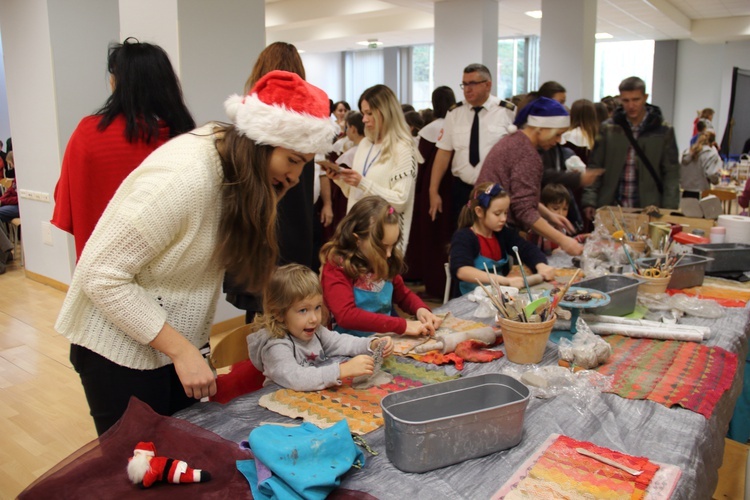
x=727, y=256
x=689, y=271
x=441, y=424
x=622, y=291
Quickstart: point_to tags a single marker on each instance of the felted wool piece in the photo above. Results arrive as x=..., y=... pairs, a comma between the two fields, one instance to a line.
x=477, y=352
x=242, y=379
x=299, y=462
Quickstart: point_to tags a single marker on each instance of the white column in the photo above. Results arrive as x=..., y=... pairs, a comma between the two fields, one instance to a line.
x=55, y=54
x=465, y=33
x=662, y=92
x=567, y=46
x=212, y=45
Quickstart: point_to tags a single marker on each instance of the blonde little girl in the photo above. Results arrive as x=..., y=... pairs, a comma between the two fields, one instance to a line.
x=291, y=347
x=360, y=276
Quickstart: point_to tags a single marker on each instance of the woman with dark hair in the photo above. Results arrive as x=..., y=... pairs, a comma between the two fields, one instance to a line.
x=553, y=90
x=339, y=111
x=143, y=112
x=144, y=292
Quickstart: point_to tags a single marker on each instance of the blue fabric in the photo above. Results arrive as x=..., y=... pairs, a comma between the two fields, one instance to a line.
x=739, y=426
x=305, y=461
x=380, y=302
x=479, y=263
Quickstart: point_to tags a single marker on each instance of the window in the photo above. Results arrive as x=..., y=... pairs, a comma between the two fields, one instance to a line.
x=615, y=61
x=517, y=59
x=364, y=68
x=422, y=71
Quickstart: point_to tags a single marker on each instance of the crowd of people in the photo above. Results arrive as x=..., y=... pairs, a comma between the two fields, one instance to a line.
x=300, y=205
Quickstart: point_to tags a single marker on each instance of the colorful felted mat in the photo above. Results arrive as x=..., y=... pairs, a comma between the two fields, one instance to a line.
x=669, y=372
x=728, y=293
x=360, y=407
x=557, y=470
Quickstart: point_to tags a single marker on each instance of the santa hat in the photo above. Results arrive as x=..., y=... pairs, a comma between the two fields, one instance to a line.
x=145, y=448
x=284, y=110
x=544, y=113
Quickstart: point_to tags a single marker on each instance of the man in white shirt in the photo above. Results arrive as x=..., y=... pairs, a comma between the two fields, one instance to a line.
x=471, y=128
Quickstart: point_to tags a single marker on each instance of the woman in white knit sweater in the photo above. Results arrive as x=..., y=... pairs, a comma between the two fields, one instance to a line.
x=143, y=296
x=385, y=164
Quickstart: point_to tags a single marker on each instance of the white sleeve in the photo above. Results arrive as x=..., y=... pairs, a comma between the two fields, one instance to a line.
x=403, y=174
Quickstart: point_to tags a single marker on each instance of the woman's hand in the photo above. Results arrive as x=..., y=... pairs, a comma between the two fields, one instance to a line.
x=387, y=350
x=358, y=365
x=194, y=373
x=429, y=320
x=547, y=271
x=351, y=177
x=415, y=328
x=326, y=215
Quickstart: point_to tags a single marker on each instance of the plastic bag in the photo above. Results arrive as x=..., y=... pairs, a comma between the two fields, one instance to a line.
x=692, y=306
x=587, y=350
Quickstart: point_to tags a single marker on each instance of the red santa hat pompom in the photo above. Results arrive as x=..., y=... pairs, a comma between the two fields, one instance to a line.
x=284, y=110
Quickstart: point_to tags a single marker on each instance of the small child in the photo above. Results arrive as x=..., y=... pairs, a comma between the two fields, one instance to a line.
x=360, y=276
x=289, y=344
x=557, y=199
x=482, y=239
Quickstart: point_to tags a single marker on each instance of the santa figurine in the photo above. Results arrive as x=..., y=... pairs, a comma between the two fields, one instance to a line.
x=145, y=468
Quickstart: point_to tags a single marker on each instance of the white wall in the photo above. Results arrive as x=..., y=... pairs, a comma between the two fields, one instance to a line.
x=4, y=118
x=704, y=80
x=326, y=71
x=158, y=27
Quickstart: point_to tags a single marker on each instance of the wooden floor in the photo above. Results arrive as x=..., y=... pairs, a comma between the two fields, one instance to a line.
x=43, y=412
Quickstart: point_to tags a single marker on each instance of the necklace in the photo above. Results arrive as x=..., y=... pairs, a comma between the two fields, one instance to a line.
x=369, y=163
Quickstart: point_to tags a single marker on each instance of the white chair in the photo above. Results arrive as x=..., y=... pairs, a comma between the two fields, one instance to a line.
x=447, y=293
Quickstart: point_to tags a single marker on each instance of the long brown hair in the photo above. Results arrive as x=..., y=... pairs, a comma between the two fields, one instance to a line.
x=365, y=223
x=289, y=284
x=583, y=114
x=278, y=55
x=247, y=230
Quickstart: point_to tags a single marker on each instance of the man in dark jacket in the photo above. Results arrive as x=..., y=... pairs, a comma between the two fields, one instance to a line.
x=632, y=178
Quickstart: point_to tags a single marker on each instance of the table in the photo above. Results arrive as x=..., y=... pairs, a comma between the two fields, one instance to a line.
x=675, y=436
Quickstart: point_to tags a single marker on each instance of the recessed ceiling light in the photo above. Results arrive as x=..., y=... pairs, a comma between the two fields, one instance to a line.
x=603, y=36
x=372, y=44
x=536, y=14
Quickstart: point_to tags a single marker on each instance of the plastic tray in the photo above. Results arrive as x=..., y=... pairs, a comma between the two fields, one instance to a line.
x=726, y=256
x=622, y=291
x=690, y=271
x=441, y=424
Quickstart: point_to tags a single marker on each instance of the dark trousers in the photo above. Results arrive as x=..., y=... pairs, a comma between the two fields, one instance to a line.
x=461, y=193
x=109, y=386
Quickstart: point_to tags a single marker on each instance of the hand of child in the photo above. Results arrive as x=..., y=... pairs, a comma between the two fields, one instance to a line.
x=571, y=246
x=516, y=282
x=429, y=320
x=358, y=365
x=415, y=328
x=547, y=271
x=387, y=350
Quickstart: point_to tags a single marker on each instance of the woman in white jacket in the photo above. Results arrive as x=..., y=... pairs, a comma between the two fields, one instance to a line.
x=701, y=164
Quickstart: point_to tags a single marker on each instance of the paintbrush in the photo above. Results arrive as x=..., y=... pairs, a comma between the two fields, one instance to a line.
x=497, y=305
x=630, y=259
x=523, y=273
x=562, y=292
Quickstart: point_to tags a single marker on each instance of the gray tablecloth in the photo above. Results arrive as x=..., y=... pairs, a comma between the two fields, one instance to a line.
x=644, y=428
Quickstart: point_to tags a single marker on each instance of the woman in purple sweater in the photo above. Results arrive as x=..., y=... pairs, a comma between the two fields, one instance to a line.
x=515, y=164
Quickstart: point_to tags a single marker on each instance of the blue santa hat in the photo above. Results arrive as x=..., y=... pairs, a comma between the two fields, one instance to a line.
x=543, y=112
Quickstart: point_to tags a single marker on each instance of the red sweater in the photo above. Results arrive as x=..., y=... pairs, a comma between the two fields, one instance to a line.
x=338, y=292
x=10, y=196
x=94, y=166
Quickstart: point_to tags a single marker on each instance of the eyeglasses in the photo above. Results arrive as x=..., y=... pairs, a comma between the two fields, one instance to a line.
x=471, y=85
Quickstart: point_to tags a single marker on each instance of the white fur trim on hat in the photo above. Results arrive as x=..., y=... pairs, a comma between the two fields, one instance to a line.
x=279, y=126
x=559, y=121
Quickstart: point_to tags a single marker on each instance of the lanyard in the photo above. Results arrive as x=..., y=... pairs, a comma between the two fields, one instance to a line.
x=369, y=163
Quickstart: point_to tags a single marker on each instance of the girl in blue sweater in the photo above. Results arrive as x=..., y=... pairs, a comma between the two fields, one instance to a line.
x=482, y=238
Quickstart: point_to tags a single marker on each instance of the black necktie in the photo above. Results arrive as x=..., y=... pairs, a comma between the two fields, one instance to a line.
x=474, y=140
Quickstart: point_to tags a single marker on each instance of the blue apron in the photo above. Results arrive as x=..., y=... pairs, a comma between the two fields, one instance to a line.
x=466, y=286
x=380, y=302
